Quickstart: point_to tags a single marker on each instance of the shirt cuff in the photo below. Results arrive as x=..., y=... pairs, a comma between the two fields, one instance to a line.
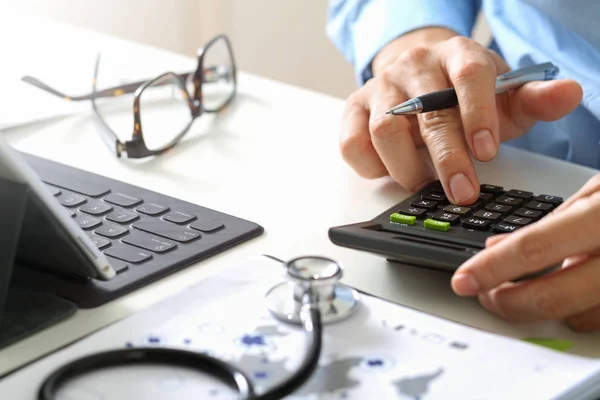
x=383, y=21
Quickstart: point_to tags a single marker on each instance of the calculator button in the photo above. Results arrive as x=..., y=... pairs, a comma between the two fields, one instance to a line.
x=403, y=219
x=432, y=196
x=437, y=225
x=476, y=223
x=436, y=187
x=417, y=212
x=487, y=214
x=503, y=227
x=475, y=206
x=491, y=189
x=445, y=217
x=520, y=194
x=516, y=220
x=457, y=209
x=536, y=205
x=544, y=198
x=485, y=197
x=426, y=204
x=501, y=208
x=508, y=200
x=524, y=212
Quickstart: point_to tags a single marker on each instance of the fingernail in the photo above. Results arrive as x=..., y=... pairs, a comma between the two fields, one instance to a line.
x=484, y=145
x=465, y=284
x=461, y=187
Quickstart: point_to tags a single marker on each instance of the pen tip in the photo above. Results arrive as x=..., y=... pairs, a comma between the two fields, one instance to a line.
x=388, y=112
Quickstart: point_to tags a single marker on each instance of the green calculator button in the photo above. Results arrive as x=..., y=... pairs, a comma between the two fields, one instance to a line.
x=403, y=219
x=438, y=225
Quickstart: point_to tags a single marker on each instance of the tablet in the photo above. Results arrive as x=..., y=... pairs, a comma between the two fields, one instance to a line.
x=50, y=239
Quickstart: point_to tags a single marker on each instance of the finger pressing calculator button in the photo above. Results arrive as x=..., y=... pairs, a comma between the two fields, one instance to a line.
x=509, y=200
x=476, y=223
x=487, y=214
x=520, y=194
x=457, y=209
x=536, y=205
x=501, y=208
x=503, y=227
x=446, y=217
x=403, y=219
x=491, y=189
x=545, y=198
x=437, y=225
x=417, y=212
x=516, y=220
x=426, y=204
x=524, y=212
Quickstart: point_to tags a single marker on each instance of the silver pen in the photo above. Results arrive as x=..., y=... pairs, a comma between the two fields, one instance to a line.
x=446, y=98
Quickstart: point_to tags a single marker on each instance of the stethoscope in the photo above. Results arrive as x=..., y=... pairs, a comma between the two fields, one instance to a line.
x=311, y=296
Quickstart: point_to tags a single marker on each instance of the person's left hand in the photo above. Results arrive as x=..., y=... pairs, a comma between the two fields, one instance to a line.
x=569, y=235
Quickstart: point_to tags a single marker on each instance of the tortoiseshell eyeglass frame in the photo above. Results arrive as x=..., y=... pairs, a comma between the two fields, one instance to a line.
x=136, y=146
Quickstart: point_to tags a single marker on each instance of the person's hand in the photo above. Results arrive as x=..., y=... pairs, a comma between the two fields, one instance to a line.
x=568, y=236
x=375, y=144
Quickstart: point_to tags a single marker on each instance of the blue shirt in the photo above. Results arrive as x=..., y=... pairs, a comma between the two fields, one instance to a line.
x=525, y=32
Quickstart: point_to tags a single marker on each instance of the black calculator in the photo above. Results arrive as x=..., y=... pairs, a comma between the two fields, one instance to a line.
x=426, y=230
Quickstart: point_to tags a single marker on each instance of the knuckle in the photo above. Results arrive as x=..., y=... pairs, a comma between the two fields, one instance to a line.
x=460, y=42
x=532, y=250
x=381, y=128
x=469, y=69
x=414, y=55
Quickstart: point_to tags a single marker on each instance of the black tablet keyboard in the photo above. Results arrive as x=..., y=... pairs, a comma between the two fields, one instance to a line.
x=144, y=234
x=425, y=229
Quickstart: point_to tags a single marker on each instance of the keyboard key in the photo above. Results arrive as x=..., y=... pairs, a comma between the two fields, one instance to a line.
x=433, y=196
x=487, y=214
x=152, y=209
x=426, y=204
x=446, y=217
x=403, y=219
x=503, y=227
x=70, y=212
x=417, y=212
x=54, y=191
x=536, y=205
x=121, y=199
x=520, y=194
x=437, y=225
x=118, y=266
x=86, y=222
x=544, y=198
x=501, y=208
x=508, y=200
x=148, y=242
x=100, y=243
x=111, y=231
x=128, y=253
x=516, y=220
x=207, y=226
x=524, y=212
x=486, y=197
x=179, y=217
x=95, y=209
x=167, y=230
x=496, y=190
x=71, y=200
x=122, y=217
x=476, y=223
x=81, y=186
x=457, y=209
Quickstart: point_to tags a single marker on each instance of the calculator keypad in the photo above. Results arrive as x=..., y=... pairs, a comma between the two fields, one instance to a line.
x=496, y=211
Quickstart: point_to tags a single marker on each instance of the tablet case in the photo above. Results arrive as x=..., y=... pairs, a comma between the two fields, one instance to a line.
x=25, y=307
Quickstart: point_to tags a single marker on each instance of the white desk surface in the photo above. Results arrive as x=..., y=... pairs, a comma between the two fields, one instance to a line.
x=271, y=158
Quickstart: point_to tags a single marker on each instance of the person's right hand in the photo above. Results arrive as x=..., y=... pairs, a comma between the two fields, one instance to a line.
x=375, y=144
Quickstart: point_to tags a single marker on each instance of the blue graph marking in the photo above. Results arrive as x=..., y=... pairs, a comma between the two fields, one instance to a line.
x=213, y=392
x=253, y=340
x=187, y=341
x=375, y=363
x=153, y=339
x=260, y=375
x=129, y=345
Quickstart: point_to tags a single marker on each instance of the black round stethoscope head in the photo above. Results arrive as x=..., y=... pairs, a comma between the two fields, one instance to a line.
x=226, y=373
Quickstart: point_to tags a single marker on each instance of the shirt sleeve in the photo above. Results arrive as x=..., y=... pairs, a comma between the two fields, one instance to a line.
x=359, y=29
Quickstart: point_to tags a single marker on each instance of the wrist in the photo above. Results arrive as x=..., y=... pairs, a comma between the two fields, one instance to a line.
x=423, y=37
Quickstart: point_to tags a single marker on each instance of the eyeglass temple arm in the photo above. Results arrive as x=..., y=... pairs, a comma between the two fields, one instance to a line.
x=211, y=73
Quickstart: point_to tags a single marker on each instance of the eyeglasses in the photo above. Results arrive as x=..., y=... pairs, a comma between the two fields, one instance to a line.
x=165, y=107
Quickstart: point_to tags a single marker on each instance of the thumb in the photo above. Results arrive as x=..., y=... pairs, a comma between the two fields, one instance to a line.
x=537, y=101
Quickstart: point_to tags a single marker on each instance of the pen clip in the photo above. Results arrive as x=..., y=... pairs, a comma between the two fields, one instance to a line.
x=550, y=71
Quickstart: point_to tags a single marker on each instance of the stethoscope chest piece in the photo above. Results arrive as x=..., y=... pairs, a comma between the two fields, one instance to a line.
x=319, y=277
